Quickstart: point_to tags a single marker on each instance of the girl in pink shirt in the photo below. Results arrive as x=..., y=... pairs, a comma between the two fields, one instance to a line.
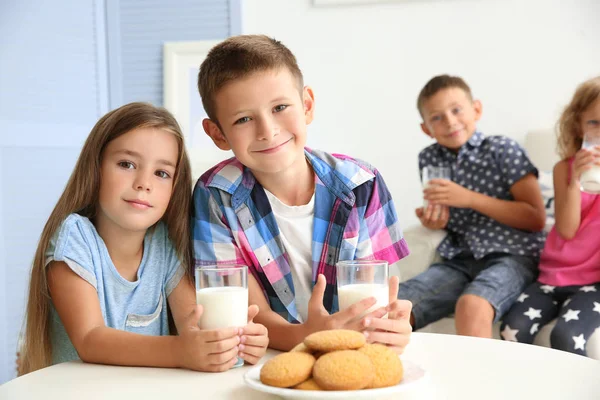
x=568, y=286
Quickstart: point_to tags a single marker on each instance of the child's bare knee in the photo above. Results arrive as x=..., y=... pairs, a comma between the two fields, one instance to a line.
x=472, y=306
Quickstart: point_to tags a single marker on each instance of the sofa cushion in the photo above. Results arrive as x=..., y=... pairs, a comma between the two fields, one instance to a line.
x=541, y=148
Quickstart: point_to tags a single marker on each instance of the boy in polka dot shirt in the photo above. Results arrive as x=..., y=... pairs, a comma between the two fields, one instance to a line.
x=491, y=208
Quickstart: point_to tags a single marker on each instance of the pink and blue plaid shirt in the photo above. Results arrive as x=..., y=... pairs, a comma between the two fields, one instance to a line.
x=354, y=218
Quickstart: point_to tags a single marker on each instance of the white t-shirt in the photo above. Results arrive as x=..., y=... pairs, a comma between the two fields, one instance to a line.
x=296, y=227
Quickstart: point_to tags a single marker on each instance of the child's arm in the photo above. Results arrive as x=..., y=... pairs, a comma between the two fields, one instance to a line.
x=567, y=194
x=284, y=335
x=525, y=212
x=76, y=302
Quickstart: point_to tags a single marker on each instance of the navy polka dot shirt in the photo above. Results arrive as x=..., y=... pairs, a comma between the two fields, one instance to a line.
x=488, y=165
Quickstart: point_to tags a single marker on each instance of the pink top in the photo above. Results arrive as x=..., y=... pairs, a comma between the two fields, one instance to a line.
x=576, y=261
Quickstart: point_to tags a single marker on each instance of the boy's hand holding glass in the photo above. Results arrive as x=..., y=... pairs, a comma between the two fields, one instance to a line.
x=388, y=320
x=448, y=193
x=319, y=319
x=254, y=338
x=439, y=190
x=434, y=216
x=393, y=331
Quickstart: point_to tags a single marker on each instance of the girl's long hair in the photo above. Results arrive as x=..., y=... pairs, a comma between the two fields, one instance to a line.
x=81, y=196
x=568, y=128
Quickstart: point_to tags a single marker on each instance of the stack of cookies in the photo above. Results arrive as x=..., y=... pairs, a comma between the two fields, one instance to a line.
x=334, y=360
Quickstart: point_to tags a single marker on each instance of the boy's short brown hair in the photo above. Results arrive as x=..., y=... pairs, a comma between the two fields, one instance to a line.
x=238, y=57
x=438, y=83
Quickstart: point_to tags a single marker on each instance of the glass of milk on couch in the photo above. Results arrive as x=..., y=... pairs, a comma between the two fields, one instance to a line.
x=223, y=293
x=590, y=179
x=359, y=279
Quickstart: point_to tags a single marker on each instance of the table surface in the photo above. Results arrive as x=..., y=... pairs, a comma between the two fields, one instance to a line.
x=458, y=367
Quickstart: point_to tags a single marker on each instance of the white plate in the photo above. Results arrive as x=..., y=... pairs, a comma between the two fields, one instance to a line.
x=414, y=376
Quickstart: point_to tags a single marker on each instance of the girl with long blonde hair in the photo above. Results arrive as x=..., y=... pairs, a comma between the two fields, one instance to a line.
x=568, y=286
x=116, y=250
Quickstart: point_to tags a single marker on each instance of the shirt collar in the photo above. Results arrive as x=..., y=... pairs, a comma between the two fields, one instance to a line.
x=474, y=141
x=340, y=174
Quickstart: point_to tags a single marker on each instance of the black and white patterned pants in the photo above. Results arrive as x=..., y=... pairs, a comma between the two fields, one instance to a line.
x=577, y=309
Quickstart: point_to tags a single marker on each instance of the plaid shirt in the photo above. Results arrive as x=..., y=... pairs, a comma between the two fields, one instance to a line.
x=354, y=218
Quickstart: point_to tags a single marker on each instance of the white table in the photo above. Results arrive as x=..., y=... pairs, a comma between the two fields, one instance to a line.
x=459, y=368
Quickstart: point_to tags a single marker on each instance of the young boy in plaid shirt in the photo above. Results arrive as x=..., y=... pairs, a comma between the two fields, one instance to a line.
x=288, y=212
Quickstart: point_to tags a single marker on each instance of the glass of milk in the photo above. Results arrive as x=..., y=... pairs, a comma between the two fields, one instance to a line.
x=223, y=293
x=430, y=172
x=359, y=279
x=590, y=179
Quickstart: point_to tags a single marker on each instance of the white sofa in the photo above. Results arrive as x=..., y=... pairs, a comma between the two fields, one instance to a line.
x=423, y=242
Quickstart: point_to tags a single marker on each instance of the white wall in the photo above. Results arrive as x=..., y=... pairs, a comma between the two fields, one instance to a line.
x=367, y=64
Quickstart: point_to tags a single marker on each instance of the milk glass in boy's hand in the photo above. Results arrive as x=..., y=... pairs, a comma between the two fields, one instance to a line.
x=360, y=279
x=590, y=179
x=432, y=172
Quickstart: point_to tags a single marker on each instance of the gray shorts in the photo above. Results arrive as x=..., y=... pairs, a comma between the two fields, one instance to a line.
x=499, y=278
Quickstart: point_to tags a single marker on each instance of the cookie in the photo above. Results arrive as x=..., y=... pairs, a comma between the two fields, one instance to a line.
x=308, y=385
x=301, y=347
x=334, y=340
x=386, y=363
x=343, y=370
x=287, y=369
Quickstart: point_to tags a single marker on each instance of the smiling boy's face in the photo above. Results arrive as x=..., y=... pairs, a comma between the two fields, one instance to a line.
x=450, y=117
x=263, y=120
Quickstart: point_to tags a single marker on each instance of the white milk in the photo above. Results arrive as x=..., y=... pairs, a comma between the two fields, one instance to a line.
x=224, y=307
x=590, y=180
x=350, y=294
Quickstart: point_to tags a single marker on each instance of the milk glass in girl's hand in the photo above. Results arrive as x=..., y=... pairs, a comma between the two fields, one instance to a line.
x=223, y=294
x=590, y=179
x=430, y=172
x=359, y=279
